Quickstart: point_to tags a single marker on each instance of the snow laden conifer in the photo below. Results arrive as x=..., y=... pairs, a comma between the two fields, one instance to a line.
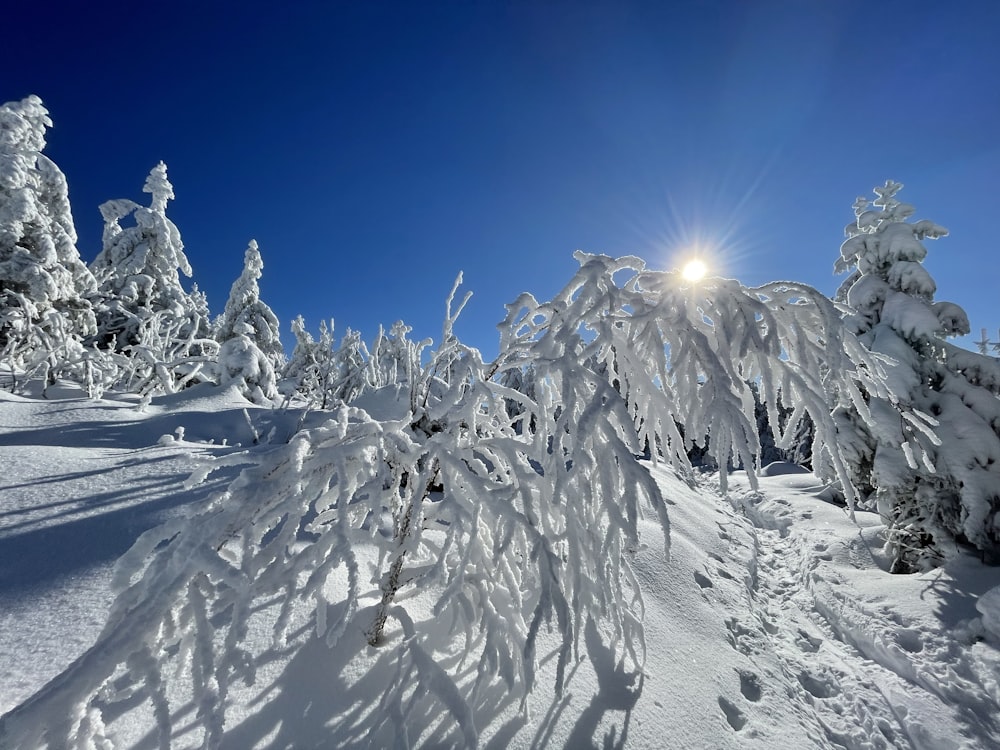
x=502, y=536
x=250, y=352
x=312, y=368
x=931, y=462
x=143, y=307
x=44, y=286
x=323, y=375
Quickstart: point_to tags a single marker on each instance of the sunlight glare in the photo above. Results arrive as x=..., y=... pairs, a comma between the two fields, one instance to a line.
x=694, y=270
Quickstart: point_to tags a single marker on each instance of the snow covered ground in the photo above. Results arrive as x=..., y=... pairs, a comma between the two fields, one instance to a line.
x=773, y=623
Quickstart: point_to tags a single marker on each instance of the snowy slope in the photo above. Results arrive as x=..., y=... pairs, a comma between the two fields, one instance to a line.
x=772, y=624
x=80, y=481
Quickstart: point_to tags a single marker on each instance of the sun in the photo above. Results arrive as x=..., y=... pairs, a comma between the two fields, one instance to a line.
x=694, y=270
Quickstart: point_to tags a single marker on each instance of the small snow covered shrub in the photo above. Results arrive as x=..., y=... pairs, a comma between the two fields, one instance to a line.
x=323, y=376
x=929, y=455
x=241, y=362
x=499, y=503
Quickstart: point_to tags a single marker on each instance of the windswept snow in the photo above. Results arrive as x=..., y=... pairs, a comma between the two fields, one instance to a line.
x=772, y=624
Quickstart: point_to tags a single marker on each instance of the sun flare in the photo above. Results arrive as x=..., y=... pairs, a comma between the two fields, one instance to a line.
x=694, y=270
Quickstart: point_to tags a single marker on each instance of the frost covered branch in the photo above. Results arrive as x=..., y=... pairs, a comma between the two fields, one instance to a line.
x=498, y=508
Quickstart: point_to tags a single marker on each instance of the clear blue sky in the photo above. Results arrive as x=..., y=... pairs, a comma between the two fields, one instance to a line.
x=375, y=149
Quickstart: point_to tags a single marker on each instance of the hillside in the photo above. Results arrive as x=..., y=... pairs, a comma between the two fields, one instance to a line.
x=772, y=622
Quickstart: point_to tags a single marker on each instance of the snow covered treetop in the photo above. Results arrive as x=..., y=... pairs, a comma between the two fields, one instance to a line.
x=23, y=125
x=253, y=263
x=889, y=282
x=880, y=238
x=159, y=186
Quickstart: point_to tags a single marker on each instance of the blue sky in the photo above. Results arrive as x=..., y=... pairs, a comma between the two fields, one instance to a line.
x=376, y=149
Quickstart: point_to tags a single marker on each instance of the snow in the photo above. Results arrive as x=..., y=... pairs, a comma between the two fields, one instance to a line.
x=772, y=622
x=989, y=605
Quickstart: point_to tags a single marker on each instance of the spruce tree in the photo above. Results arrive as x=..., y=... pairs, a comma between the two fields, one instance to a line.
x=247, y=331
x=44, y=286
x=311, y=367
x=246, y=314
x=143, y=309
x=931, y=463
x=138, y=270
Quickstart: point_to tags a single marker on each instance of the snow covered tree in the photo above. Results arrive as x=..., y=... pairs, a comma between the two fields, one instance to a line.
x=143, y=307
x=245, y=313
x=932, y=460
x=311, y=367
x=324, y=376
x=250, y=345
x=44, y=286
x=987, y=347
x=484, y=531
x=242, y=363
x=138, y=270
x=394, y=358
x=797, y=450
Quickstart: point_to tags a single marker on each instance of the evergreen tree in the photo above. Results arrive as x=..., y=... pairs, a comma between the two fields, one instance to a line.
x=143, y=308
x=931, y=462
x=138, y=270
x=247, y=331
x=394, y=356
x=44, y=286
x=798, y=450
x=324, y=376
x=245, y=314
x=311, y=367
x=986, y=346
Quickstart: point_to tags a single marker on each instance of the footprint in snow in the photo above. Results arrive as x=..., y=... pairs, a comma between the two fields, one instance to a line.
x=809, y=643
x=724, y=573
x=818, y=686
x=750, y=685
x=909, y=640
x=733, y=714
x=704, y=581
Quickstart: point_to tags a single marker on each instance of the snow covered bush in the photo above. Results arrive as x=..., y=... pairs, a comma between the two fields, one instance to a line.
x=394, y=357
x=323, y=376
x=143, y=308
x=930, y=456
x=498, y=536
x=250, y=345
x=240, y=361
x=44, y=286
x=305, y=372
x=316, y=372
